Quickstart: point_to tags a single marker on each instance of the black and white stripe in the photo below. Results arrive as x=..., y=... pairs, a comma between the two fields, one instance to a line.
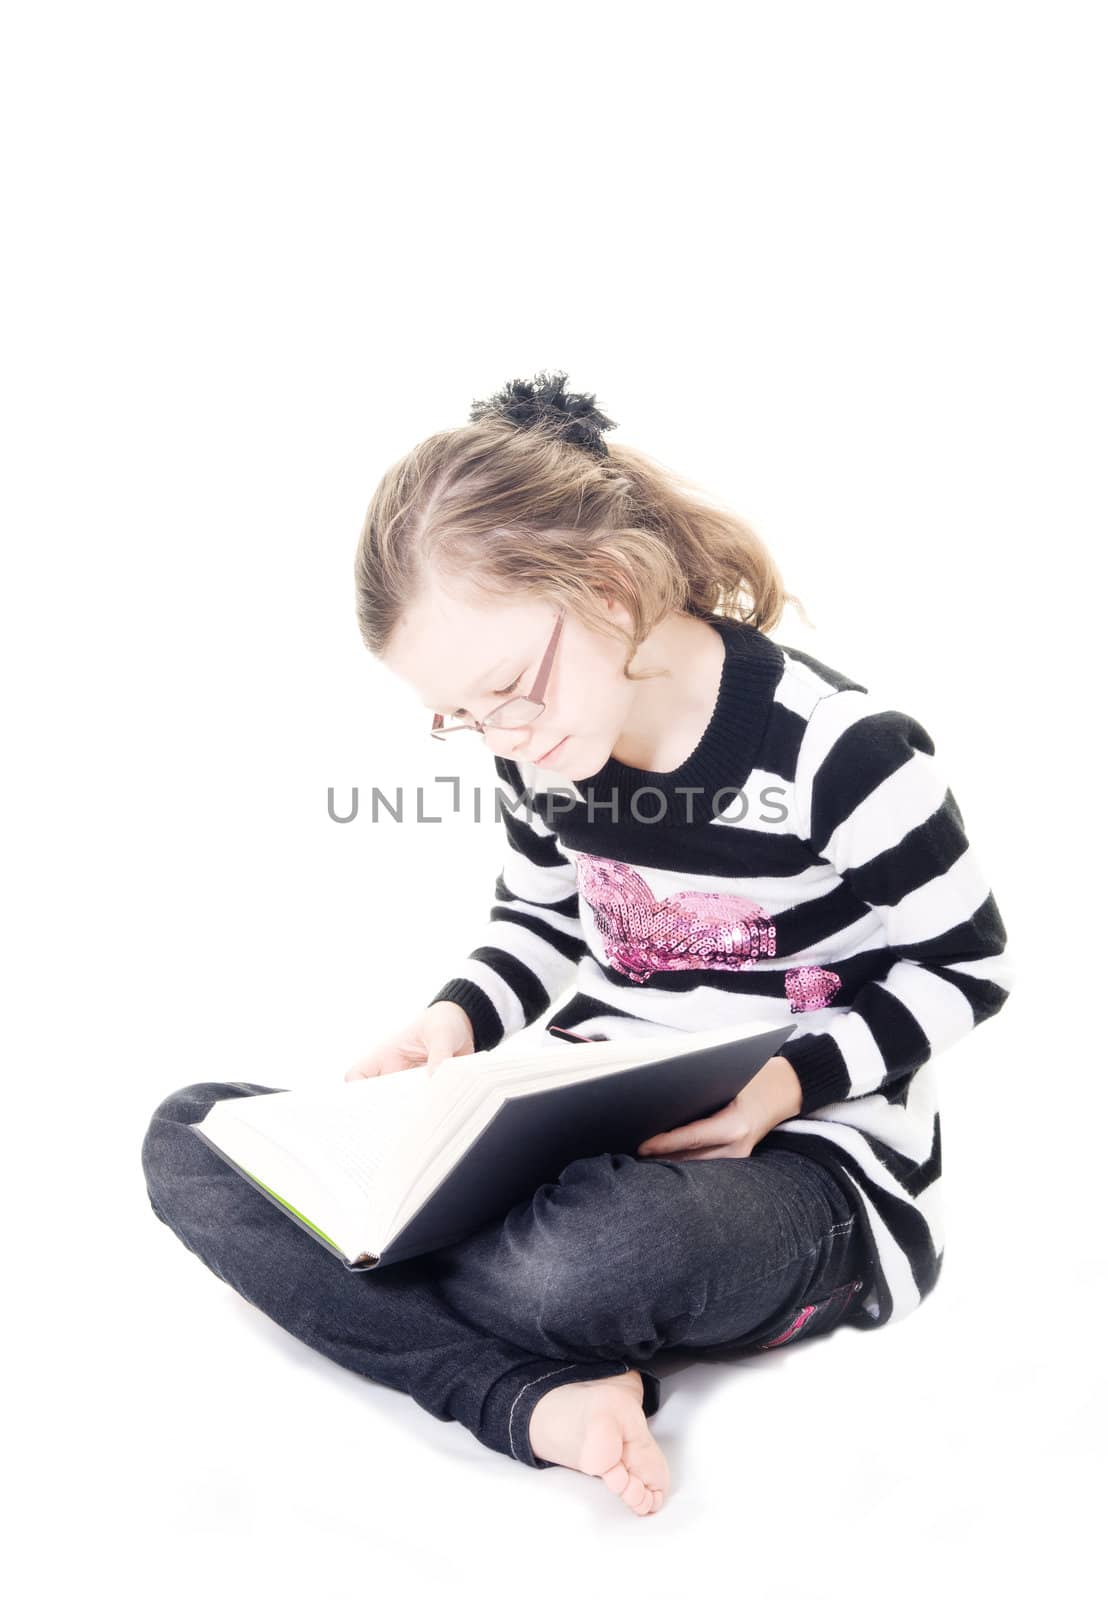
x=848, y=837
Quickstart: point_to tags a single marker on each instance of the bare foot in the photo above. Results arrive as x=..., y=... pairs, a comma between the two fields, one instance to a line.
x=598, y=1426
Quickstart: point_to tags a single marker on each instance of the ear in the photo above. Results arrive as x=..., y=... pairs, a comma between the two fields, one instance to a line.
x=609, y=589
x=616, y=609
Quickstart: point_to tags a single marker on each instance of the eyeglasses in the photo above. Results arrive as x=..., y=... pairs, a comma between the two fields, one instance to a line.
x=515, y=713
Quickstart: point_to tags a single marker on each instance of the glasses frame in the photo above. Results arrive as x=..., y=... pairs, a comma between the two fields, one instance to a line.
x=439, y=727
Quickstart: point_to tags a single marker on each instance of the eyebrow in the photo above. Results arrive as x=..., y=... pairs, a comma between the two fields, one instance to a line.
x=492, y=675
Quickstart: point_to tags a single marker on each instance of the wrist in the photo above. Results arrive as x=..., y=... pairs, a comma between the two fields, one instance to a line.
x=455, y=1010
x=785, y=1091
x=484, y=1020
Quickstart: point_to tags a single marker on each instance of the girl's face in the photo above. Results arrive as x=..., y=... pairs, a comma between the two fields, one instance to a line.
x=462, y=653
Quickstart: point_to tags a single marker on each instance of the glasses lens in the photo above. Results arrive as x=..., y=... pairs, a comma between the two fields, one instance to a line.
x=516, y=714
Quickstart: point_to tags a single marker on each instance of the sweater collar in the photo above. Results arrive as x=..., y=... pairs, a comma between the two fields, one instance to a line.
x=725, y=755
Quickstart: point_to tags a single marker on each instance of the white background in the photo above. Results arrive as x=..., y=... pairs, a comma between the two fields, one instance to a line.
x=843, y=265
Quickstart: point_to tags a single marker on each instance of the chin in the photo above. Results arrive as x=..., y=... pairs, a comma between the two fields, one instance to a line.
x=554, y=765
x=572, y=762
x=577, y=764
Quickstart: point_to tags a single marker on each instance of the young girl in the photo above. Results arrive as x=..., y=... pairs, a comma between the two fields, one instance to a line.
x=702, y=826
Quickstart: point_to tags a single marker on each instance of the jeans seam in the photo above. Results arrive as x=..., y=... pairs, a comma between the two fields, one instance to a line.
x=837, y=1229
x=530, y=1385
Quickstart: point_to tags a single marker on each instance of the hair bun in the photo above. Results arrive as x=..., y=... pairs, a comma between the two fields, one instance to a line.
x=542, y=403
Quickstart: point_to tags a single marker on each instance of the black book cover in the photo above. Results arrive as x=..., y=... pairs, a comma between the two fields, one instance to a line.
x=535, y=1135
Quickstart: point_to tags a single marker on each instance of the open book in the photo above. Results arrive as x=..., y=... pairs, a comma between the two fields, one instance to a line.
x=380, y=1169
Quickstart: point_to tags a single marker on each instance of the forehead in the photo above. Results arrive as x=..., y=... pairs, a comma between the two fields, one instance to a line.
x=448, y=641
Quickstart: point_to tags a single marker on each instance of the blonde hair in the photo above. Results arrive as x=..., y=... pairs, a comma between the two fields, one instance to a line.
x=522, y=514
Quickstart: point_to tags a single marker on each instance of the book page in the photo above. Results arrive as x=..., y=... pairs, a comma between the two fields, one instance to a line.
x=343, y=1132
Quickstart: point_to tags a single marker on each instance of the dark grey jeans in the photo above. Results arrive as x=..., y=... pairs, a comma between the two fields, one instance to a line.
x=622, y=1257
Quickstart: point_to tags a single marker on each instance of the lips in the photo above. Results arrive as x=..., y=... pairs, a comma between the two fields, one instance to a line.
x=552, y=750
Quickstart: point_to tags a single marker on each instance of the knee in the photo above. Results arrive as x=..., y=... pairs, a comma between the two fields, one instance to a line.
x=169, y=1150
x=191, y=1103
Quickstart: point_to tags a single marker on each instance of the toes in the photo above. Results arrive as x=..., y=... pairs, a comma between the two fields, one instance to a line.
x=648, y=1462
x=635, y=1494
x=632, y=1490
x=645, y=1507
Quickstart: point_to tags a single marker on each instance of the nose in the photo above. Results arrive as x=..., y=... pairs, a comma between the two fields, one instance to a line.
x=513, y=742
x=506, y=743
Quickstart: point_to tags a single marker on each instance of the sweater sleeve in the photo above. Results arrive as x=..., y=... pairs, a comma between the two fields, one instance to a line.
x=874, y=804
x=531, y=946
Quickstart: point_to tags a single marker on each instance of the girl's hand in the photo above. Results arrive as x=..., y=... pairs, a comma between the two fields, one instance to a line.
x=442, y=1031
x=771, y=1096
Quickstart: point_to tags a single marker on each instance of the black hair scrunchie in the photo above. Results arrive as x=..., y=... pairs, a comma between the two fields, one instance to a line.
x=542, y=403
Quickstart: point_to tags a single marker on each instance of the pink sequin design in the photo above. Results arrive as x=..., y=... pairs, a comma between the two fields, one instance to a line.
x=688, y=931
x=683, y=932
x=809, y=988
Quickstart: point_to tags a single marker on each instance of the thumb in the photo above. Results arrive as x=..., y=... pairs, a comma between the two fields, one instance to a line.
x=438, y=1048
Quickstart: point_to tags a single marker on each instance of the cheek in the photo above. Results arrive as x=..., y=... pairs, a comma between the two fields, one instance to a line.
x=617, y=697
x=607, y=705
x=593, y=697
x=594, y=709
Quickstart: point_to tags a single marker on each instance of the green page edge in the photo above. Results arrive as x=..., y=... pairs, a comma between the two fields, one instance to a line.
x=306, y=1220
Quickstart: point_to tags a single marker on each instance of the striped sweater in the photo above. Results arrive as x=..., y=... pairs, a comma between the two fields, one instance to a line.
x=807, y=862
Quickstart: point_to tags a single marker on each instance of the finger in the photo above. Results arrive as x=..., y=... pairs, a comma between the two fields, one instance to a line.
x=692, y=1136
x=687, y=1154
x=439, y=1061
x=664, y=1144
